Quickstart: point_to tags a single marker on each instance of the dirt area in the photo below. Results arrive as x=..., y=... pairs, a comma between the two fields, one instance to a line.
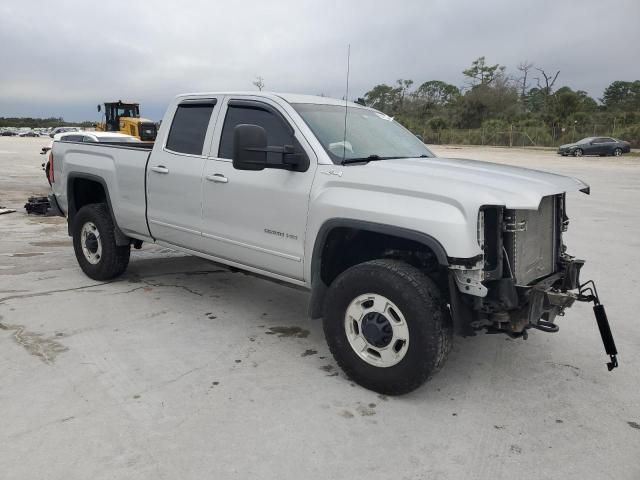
x=184, y=370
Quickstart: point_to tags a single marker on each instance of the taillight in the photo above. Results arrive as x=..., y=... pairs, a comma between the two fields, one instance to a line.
x=50, y=172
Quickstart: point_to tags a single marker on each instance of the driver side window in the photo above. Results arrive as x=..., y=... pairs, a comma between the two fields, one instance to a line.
x=277, y=133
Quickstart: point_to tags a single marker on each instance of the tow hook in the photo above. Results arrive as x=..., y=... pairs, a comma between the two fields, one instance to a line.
x=588, y=293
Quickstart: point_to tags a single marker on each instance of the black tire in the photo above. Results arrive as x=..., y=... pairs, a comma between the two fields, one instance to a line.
x=578, y=152
x=617, y=152
x=113, y=260
x=426, y=315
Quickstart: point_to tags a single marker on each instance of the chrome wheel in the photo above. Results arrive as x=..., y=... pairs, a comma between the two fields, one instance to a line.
x=578, y=152
x=376, y=330
x=617, y=152
x=91, y=243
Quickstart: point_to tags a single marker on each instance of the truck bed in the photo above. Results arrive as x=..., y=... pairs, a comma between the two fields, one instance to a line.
x=120, y=167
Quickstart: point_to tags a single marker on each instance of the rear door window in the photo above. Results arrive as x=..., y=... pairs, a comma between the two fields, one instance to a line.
x=189, y=127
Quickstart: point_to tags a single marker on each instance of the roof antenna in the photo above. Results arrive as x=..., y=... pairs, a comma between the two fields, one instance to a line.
x=346, y=106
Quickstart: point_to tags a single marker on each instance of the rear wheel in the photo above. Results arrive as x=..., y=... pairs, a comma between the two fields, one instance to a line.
x=95, y=245
x=617, y=152
x=387, y=326
x=577, y=152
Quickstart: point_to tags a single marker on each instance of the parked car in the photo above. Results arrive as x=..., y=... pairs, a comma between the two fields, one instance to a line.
x=399, y=249
x=9, y=133
x=57, y=130
x=595, y=146
x=30, y=133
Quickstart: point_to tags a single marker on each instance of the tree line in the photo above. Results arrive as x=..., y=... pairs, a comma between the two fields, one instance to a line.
x=20, y=122
x=493, y=104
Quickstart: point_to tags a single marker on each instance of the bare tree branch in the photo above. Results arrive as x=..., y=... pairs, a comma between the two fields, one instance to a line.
x=524, y=67
x=259, y=82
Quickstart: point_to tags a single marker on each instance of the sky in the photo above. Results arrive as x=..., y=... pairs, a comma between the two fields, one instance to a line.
x=63, y=58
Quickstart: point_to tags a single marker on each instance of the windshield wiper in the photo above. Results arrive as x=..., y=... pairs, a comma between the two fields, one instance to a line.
x=370, y=158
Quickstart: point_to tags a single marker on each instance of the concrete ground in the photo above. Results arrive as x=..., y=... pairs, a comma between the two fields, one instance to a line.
x=184, y=370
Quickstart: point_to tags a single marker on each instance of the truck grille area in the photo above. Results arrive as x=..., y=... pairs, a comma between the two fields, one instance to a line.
x=531, y=240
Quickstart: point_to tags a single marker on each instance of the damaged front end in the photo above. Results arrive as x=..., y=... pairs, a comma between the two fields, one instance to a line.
x=524, y=278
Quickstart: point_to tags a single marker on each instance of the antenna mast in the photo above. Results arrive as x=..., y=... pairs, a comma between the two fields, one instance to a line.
x=346, y=106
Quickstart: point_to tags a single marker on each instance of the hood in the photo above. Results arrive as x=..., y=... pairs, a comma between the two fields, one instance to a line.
x=461, y=182
x=568, y=145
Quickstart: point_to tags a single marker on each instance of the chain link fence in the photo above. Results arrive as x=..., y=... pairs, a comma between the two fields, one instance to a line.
x=526, y=137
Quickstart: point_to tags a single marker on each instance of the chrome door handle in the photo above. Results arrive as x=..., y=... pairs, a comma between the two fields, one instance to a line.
x=218, y=178
x=160, y=169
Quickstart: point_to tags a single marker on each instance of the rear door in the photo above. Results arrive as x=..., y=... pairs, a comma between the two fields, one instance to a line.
x=257, y=218
x=174, y=174
x=607, y=145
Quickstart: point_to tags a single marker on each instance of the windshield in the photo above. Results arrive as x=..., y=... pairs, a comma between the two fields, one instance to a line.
x=127, y=111
x=586, y=140
x=369, y=133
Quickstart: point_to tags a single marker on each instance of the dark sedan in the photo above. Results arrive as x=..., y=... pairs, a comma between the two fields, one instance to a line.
x=595, y=146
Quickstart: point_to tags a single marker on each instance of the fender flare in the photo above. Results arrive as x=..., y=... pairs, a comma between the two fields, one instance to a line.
x=121, y=238
x=319, y=288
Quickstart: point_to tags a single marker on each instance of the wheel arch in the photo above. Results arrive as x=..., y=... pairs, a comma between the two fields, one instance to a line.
x=319, y=284
x=81, y=191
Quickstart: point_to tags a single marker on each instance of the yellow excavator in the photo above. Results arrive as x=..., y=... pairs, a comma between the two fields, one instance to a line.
x=124, y=117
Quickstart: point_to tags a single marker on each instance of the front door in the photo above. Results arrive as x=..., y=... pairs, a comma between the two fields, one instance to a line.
x=257, y=218
x=174, y=174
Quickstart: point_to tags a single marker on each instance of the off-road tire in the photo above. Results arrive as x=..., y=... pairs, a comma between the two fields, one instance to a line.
x=114, y=259
x=427, y=317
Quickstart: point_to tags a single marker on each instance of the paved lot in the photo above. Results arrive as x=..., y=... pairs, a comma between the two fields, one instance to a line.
x=184, y=370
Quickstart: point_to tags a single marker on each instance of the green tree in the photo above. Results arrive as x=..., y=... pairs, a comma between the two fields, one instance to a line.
x=436, y=93
x=620, y=95
x=437, y=123
x=383, y=97
x=482, y=74
x=403, y=88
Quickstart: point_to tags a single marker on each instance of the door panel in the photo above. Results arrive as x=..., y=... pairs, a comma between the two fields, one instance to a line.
x=596, y=147
x=257, y=218
x=174, y=175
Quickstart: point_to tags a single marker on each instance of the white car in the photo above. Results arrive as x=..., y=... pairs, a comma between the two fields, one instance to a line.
x=58, y=130
x=80, y=136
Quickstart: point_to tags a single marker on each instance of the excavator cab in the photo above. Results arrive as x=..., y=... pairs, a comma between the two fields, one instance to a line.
x=124, y=117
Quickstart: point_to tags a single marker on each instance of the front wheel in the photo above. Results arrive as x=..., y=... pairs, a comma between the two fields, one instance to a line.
x=386, y=326
x=94, y=243
x=617, y=152
x=578, y=152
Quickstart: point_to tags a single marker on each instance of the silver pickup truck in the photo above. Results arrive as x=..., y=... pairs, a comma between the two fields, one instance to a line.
x=400, y=249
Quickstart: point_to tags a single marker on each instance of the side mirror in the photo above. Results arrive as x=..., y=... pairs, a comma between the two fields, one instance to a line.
x=99, y=107
x=249, y=147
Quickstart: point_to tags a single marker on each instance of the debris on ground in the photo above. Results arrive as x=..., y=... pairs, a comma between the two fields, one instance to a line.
x=4, y=210
x=37, y=205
